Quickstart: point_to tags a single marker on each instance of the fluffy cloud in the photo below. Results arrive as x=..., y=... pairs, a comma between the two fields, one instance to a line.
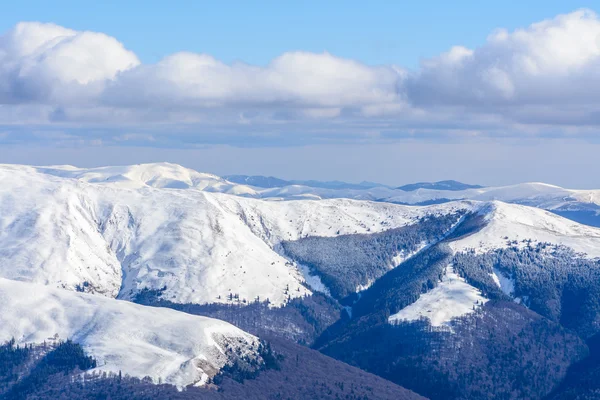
x=543, y=78
x=47, y=63
x=297, y=79
x=551, y=62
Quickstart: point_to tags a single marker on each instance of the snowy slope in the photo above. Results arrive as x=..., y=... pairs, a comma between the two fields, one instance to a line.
x=83, y=230
x=506, y=223
x=158, y=175
x=49, y=234
x=114, y=240
x=451, y=298
x=167, y=345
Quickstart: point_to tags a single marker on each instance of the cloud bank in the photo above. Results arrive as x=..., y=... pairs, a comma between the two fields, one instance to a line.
x=73, y=85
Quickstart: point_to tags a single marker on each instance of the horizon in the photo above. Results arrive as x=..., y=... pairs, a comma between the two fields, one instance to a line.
x=493, y=94
x=299, y=181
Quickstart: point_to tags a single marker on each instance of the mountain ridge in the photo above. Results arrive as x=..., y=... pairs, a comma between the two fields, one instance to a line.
x=328, y=272
x=579, y=205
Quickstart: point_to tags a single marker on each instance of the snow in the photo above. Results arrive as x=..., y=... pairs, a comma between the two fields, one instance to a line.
x=113, y=231
x=170, y=346
x=68, y=228
x=511, y=222
x=313, y=281
x=451, y=298
x=506, y=284
x=158, y=175
x=166, y=175
x=117, y=230
x=173, y=176
x=49, y=234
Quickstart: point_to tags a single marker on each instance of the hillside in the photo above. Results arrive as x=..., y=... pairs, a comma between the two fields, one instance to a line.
x=201, y=247
x=295, y=372
x=166, y=345
x=506, y=280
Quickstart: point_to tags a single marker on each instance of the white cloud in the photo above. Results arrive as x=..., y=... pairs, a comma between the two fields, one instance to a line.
x=551, y=62
x=47, y=63
x=296, y=79
x=542, y=78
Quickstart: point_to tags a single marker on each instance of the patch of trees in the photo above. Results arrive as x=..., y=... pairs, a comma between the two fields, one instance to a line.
x=395, y=290
x=346, y=262
x=13, y=363
x=301, y=320
x=551, y=280
x=583, y=378
x=298, y=373
x=502, y=351
x=62, y=359
x=403, y=286
x=248, y=368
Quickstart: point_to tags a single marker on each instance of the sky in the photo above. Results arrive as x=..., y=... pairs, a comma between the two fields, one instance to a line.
x=487, y=92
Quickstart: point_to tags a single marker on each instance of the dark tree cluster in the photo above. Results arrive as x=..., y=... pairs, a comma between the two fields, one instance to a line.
x=347, y=261
x=583, y=378
x=301, y=320
x=551, y=280
x=291, y=372
x=503, y=351
x=37, y=365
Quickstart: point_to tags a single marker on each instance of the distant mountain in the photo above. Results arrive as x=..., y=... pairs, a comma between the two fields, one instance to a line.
x=338, y=184
x=266, y=182
x=578, y=205
x=441, y=185
x=269, y=182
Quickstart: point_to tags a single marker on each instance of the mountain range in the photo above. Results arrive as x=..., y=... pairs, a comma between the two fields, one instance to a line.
x=183, y=279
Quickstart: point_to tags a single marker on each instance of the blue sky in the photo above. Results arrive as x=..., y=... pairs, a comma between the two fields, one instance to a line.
x=245, y=86
x=377, y=32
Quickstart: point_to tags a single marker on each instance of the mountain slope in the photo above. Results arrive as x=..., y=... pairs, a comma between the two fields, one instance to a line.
x=166, y=345
x=427, y=282
x=200, y=247
x=507, y=223
x=296, y=372
x=512, y=284
x=158, y=175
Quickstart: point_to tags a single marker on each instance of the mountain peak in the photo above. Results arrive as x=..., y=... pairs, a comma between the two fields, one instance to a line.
x=440, y=185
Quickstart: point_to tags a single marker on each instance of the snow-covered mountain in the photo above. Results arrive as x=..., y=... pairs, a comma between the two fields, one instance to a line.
x=118, y=230
x=165, y=175
x=487, y=227
x=158, y=175
x=166, y=345
x=165, y=235
x=272, y=182
x=99, y=236
x=514, y=225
